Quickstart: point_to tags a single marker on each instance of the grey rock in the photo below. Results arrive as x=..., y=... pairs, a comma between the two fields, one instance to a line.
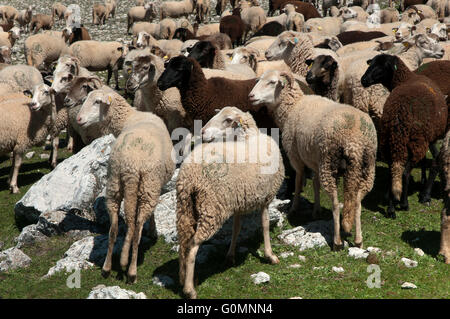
x=301, y=258
x=286, y=254
x=29, y=236
x=357, y=253
x=338, y=269
x=44, y=156
x=13, y=258
x=373, y=249
x=114, y=292
x=419, y=252
x=409, y=263
x=313, y=235
x=29, y=155
x=73, y=184
x=408, y=285
x=260, y=278
x=59, y=222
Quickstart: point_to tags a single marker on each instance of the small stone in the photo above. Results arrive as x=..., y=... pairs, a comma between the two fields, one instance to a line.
x=29, y=155
x=175, y=248
x=409, y=263
x=296, y=298
x=318, y=268
x=372, y=259
x=390, y=253
x=45, y=156
x=115, y=292
x=260, y=278
x=295, y=266
x=373, y=249
x=338, y=269
x=357, y=253
x=286, y=254
x=408, y=285
x=419, y=252
x=162, y=281
x=301, y=258
x=13, y=258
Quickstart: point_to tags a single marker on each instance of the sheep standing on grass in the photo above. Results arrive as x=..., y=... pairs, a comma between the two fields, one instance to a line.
x=444, y=162
x=140, y=165
x=414, y=116
x=330, y=138
x=225, y=182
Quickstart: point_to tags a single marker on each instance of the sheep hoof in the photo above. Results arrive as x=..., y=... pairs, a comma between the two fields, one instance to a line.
x=425, y=199
x=14, y=189
x=105, y=274
x=337, y=247
x=273, y=259
x=404, y=206
x=359, y=245
x=230, y=261
x=131, y=279
x=191, y=294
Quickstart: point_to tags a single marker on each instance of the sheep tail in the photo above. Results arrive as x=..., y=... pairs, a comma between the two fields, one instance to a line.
x=397, y=169
x=186, y=224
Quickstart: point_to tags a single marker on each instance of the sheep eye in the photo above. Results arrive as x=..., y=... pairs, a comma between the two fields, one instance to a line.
x=228, y=120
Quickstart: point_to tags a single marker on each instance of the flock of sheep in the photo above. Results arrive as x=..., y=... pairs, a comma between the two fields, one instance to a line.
x=346, y=85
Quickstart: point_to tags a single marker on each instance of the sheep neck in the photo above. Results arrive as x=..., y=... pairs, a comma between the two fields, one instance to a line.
x=152, y=95
x=302, y=51
x=195, y=89
x=401, y=75
x=289, y=98
x=117, y=116
x=412, y=57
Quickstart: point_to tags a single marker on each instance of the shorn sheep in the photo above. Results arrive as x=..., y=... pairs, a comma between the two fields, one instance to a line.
x=224, y=183
x=414, y=116
x=332, y=139
x=140, y=165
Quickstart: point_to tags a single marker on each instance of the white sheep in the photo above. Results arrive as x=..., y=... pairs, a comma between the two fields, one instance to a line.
x=253, y=17
x=251, y=57
x=176, y=9
x=43, y=49
x=330, y=138
x=17, y=78
x=140, y=164
x=221, y=179
x=145, y=13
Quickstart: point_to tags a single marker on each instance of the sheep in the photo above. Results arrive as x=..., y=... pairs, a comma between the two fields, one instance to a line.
x=354, y=13
x=294, y=20
x=260, y=44
x=440, y=30
x=425, y=12
x=209, y=192
x=307, y=9
x=25, y=123
x=41, y=21
x=98, y=14
x=167, y=28
x=358, y=36
x=58, y=11
x=407, y=3
x=23, y=18
x=8, y=13
x=414, y=116
x=44, y=48
x=176, y=9
x=209, y=56
x=111, y=6
x=72, y=35
x=149, y=27
x=67, y=64
x=203, y=8
x=253, y=17
x=444, y=162
x=18, y=78
x=327, y=5
x=249, y=56
x=275, y=5
x=5, y=57
x=145, y=13
x=372, y=99
x=442, y=7
x=200, y=96
x=140, y=164
x=330, y=138
x=142, y=80
x=111, y=57
x=233, y=26
x=207, y=29
x=323, y=26
x=6, y=26
x=222, y=40
x=274, y=28
x=389, y=15
x=145, y=40
x=281, y=19
x=9, y=38
x=295, y=48
x=128, y=62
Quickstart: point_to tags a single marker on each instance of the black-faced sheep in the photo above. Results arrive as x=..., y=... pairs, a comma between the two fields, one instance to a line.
x=332, y=139
x=414, y=116
x=225, y=182
x=140, y=165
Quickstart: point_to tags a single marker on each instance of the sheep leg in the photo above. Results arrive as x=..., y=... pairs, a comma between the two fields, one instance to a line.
x=11, y=171
x=236, y=229
x=404, y=205
x=188, y=288
x=132, y=270
x=390, y=212
x=17, y=162
x=425, y=194
x=113, y=209
x=130, y=204
x=445, y=232
x=358, y=231
x=337, y=242
x=69, y=137
x=268, y=253
x=54, y=157
x=109, y=76
x=317, y=209
x=116, y=77
x=298, y=188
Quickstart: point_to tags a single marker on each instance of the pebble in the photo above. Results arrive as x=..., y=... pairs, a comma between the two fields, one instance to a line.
x=408, y=285
x=29, y=155
x=45, y=156
x=260, y=278
x=357, y=253
x=419, y=252
x=338, y=269
x=286, y=254
x=301, y=258
x=409, y=263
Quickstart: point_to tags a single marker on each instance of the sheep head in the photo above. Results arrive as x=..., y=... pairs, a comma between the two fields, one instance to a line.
x=281, y=48
x=5, y=54
x=321, y=70
x=94, y=108
x=229, y=124
x=204, y=52
x=427, y=47
x=381, y=70
x=143, y=72
x=79, y=89
x=177, y=73
x=244, y=55
x=43, y=98
x=268, y=89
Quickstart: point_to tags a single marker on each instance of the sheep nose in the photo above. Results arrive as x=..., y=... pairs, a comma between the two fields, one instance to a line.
x=67, y=100
x=79, y=119
x=251, y=96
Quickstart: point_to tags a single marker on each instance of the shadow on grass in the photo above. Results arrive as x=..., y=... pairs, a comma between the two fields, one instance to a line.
x=215, y=264
x=25, y=178
x=426, y=240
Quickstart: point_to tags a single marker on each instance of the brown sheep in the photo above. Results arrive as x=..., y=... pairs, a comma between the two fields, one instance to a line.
x=414, y=116
x=98, y=14
x=75, y=34
x=307, y=9
x=41, y=21
x=58, y=10
x=233, y=26
x=221, y=40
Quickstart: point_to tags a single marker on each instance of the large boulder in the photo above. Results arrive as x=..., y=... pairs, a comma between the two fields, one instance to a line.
x=73, y=184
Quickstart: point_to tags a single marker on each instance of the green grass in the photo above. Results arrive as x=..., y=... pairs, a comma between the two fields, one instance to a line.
x=420, y=227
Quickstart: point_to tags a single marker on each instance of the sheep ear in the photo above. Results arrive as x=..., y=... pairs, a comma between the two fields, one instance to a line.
x=28, y=93
x=369, y=62
x=109, y=99
x=428, y=30
x=394, y=30
x=49, y=78
x=309, y=62
x=285, y=78
x=293, y=40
